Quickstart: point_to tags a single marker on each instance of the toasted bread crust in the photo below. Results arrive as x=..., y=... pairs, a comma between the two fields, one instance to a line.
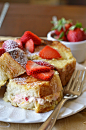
x=11, y=67
x=66, y=72
x=48, y=105
x=35, y=87
x=12, y=64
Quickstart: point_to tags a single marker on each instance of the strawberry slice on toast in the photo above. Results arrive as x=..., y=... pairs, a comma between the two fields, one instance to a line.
x=29, y=35
x=20, y=45
x=47, y=76
x=29, y=45
x=49, y=53
x=43, y=63
x=33, y=68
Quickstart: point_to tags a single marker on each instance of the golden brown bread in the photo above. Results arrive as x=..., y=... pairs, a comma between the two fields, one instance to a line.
x=1, y=42
x=9, y=68
x=48, y=105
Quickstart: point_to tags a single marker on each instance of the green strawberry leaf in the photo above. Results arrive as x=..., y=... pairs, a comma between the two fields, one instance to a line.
x=60, y=39
x=54, y=28
x=61, y=35
x=59, y=27
x=84, y=29
x=61, y=24
x=72, y=27
x=77, y=25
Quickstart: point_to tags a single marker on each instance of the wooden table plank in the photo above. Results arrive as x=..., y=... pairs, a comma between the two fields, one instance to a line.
x=36, y=18
x=1, y=6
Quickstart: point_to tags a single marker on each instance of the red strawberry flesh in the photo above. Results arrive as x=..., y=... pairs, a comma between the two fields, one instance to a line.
x=29, y=35
x=49, y=53
x=29, y=45
x=33, y=68
x=2, y=50
x=67, y=26
x=57, y=32
x=43, y=63
x=26, y=98
x=20, y=45
x=47, y=76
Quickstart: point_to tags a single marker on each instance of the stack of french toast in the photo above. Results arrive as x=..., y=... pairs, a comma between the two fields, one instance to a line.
x=35, y=71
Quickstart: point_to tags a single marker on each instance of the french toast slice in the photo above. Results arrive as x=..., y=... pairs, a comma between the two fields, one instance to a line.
x=12, y=64
x=64, y=65
x=30, y=93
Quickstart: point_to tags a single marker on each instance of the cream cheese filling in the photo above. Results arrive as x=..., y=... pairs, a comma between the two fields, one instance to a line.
x=23, y=99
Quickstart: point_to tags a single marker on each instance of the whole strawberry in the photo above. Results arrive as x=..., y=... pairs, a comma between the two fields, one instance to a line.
x=75, y=33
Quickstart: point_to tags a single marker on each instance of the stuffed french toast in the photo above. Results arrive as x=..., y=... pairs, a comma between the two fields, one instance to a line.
x=45, y=67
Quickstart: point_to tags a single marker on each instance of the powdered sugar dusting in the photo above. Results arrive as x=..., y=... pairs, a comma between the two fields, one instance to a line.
x=19, y=55
x=29, y=54
x=10, y=44
x=20, y=80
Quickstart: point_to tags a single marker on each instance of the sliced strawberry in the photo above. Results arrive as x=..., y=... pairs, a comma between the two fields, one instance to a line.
x=47, y=76
x=29, y=45
x=29, y=35
x=33, y=68
x=49, y=53
x=2, y=50
x=43, y=63
x=9, y=44
x=20, y=45
x=25, y=37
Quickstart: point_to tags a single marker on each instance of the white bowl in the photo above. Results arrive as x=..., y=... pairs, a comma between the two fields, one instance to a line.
x=78, y=49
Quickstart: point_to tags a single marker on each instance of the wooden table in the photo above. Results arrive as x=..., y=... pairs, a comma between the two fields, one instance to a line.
x=36, y=18
x=22, y=17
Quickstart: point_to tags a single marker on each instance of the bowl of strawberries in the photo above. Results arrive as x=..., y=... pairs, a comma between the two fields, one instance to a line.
x=71, y=35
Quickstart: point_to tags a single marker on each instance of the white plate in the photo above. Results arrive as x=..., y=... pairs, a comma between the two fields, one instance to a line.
x=9, y=113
